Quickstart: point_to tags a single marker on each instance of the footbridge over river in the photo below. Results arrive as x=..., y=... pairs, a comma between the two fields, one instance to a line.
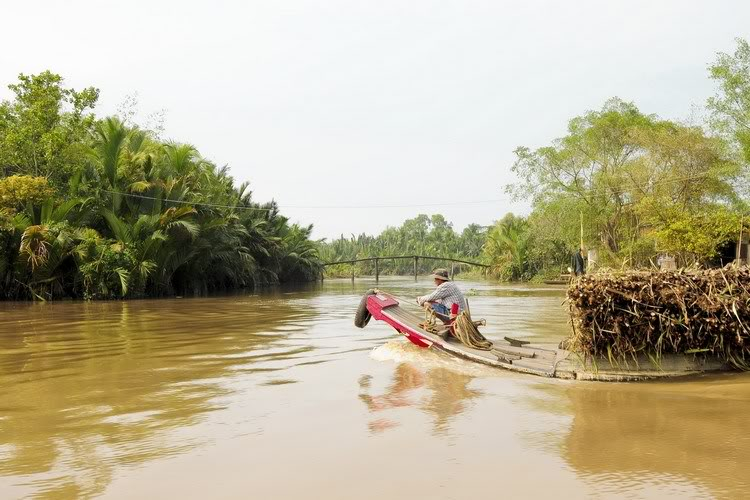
x=415, y=258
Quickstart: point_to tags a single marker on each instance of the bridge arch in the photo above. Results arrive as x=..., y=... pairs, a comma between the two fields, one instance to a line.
x=414, y=257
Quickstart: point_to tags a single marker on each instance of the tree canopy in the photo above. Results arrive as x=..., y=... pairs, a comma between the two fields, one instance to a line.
x=634, y=185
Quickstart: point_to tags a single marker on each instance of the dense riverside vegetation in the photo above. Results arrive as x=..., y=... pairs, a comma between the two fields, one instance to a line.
x=99, y=208
x=630, y=185
x=502, y=246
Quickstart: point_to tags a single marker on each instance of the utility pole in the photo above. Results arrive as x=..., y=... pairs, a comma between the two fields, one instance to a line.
x=588, y=263
x=739, y=242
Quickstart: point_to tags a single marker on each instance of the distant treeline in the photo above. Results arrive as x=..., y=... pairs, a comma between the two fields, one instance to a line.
x=423, y=235
x=100, y=208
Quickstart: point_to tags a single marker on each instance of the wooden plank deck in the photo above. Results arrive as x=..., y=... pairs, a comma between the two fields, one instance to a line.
x=549, y=361
x=528, y=359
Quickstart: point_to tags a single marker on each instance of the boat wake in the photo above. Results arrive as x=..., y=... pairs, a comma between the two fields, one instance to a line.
x=400, y=351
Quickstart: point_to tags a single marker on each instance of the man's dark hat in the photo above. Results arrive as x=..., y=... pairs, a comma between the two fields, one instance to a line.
x=441, y=274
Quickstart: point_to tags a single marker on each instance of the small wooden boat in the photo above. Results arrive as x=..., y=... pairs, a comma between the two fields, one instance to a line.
x=555, y=282
x=564, y=279
x=521, y=356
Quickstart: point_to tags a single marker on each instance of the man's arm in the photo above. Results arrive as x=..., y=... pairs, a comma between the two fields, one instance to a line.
x=439, y=293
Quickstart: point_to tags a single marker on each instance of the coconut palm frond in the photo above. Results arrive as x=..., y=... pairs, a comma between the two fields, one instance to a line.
x=140, y=186
x=191, y=229
x=34, y=245
x=111, y=135
x=124, y=275
x=120, y=230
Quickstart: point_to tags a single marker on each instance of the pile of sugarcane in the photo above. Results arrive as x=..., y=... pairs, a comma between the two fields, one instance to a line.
x=620, y=316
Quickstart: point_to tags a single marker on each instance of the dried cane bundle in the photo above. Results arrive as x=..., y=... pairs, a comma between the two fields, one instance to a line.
x=625, y=315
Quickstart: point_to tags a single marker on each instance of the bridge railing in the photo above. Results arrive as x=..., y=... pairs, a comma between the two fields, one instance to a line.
x=416, y=263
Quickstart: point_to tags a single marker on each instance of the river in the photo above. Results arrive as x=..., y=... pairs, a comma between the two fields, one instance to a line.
x=277, y=395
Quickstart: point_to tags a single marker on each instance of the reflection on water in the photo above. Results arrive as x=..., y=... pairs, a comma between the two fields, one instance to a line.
x=103, y=383
x=694, y=432
x=448, y=393
x=165, y=398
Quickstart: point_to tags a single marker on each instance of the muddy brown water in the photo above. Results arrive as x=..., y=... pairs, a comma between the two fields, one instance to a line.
x=278, y=395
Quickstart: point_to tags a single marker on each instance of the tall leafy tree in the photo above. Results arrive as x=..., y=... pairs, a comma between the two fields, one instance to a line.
x=43, y=128
x=731, y=105
x=730, y=108
x=507, y=248
x=620, y=176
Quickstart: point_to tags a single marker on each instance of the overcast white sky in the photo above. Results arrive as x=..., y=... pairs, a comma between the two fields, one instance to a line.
x=351, y=103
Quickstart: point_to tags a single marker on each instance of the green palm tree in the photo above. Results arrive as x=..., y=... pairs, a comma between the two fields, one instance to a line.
x=506, y=248
x=47, y=241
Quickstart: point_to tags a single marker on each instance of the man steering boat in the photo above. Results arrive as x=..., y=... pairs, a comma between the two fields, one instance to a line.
x=444, y=296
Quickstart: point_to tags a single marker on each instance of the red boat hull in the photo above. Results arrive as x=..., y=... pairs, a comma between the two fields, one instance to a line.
x=379, y=302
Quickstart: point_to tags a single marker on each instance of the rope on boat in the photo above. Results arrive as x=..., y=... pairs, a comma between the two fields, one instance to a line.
x=464, y=329
x=429, y=324
x=468, y=334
